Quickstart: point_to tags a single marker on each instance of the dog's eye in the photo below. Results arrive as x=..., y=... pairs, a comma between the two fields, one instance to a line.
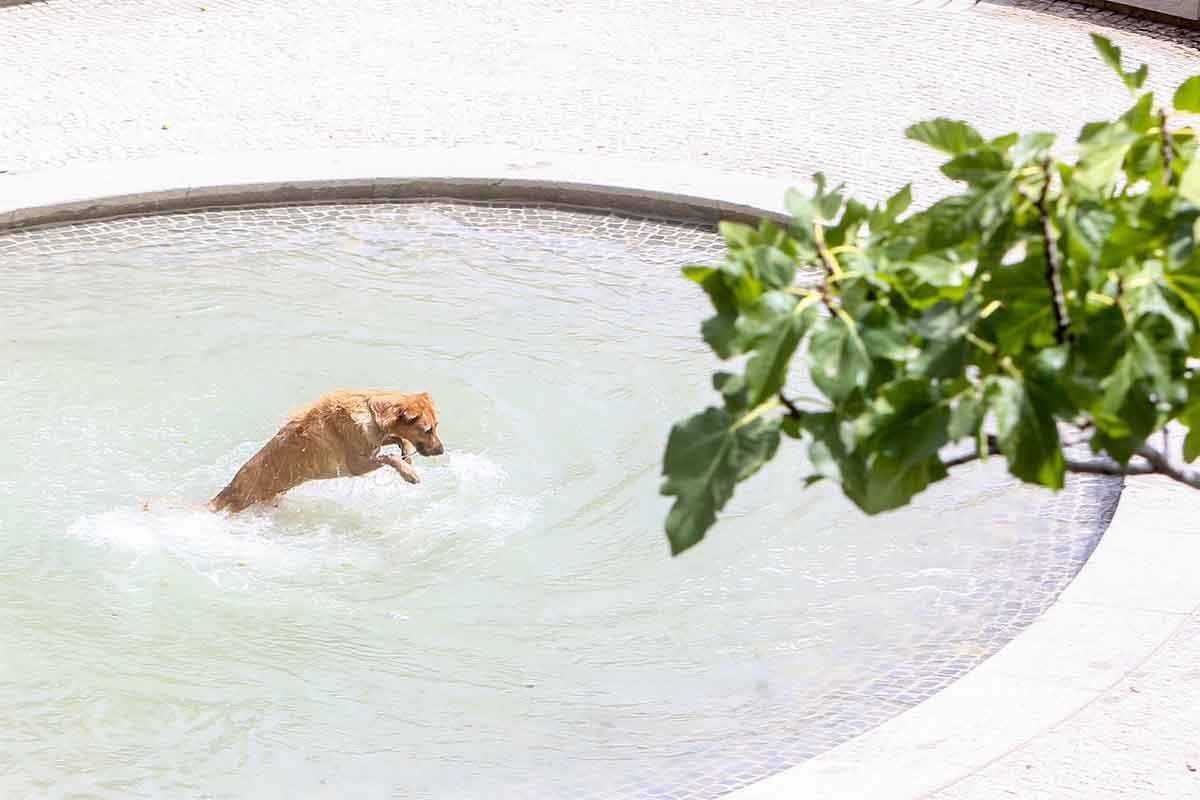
x=429, y=429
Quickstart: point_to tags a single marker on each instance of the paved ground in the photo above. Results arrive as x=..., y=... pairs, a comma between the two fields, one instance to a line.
x=1141, y=740
x=739, y=85
x=745, y=86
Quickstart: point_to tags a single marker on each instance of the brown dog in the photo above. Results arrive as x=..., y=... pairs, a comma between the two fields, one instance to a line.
x=337, y=436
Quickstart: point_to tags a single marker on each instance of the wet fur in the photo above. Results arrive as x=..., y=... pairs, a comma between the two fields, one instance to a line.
x=337, y=436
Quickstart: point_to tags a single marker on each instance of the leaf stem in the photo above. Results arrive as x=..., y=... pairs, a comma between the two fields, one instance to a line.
x=766, y=406
x=982, y=344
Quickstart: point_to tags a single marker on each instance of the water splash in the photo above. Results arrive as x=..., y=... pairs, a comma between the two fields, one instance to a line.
x=321, y=525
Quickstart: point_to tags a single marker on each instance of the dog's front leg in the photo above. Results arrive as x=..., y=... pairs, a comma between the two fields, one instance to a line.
x=407, y=449
x=362, y=464
x=402, y=465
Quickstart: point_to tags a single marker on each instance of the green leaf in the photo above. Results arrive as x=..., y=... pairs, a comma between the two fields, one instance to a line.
x=1181, y=237
x=759, y=317
x=1191, y=444
x=1124, y=412
x=949, y=136
x=910, y=421
x=1101, y=157
x=733, y=389
x=1186, y=286
x=1091, y=130
x=829, y=452
x=1162, y=311
x=1004, y=143
x=1187, y=96
x=967, y=417
x=1141, y=116
x=944, y=329
x=1025, y=432
x=1189, y=182
x=1032, y=147
x=896, y=205
x=839, y=360
x=1088, y=227
x=1120, y=415
x=827, y=202
x=977, y=167
x=1112, y=56
x=768, y=369
x=719, y=331
x=707, y=456
x=801, y=207
x=736, y=234
x=939, y=270
x=1108, y=51
x=906, y=430
x=885, y=335
x=774, y=268
x=1024, y=317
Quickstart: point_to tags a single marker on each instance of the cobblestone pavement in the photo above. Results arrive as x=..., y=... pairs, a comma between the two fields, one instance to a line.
x=740, y=86
x=747, y=87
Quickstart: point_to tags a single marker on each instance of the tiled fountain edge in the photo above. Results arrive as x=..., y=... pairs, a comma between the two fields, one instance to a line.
x=98, y=191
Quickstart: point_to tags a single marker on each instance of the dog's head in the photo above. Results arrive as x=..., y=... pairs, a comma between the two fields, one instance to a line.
x=408, y=416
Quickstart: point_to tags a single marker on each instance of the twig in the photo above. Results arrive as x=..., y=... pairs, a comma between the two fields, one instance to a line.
x=1058, y=302
x=832, y=271
x=793, y=411
x=1168, y=148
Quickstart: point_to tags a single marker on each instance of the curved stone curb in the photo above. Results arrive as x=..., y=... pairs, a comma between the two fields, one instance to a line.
x=98, y=191
x=1132, y=595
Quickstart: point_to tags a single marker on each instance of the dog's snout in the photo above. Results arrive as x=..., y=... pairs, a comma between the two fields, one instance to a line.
x=434, y=449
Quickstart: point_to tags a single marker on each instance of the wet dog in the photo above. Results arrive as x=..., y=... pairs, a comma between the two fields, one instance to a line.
x=337, y=436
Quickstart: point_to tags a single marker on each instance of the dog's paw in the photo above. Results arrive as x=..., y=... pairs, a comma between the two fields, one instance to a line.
x=409, y=474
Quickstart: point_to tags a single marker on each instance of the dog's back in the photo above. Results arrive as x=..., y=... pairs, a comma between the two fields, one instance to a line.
x=299, y=452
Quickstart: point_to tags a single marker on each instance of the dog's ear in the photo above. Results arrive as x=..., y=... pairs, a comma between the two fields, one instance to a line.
x=387, y=413
x=416, y=407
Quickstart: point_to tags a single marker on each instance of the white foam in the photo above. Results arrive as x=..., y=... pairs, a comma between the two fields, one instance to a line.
x=320, y=525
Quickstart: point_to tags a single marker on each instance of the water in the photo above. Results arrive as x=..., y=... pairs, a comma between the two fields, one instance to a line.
x=512, y=626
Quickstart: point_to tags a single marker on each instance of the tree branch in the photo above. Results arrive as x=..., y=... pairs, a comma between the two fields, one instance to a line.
x=1163, y=466
x=1058, y=302
x=1156, y=463
x=1098, y=467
